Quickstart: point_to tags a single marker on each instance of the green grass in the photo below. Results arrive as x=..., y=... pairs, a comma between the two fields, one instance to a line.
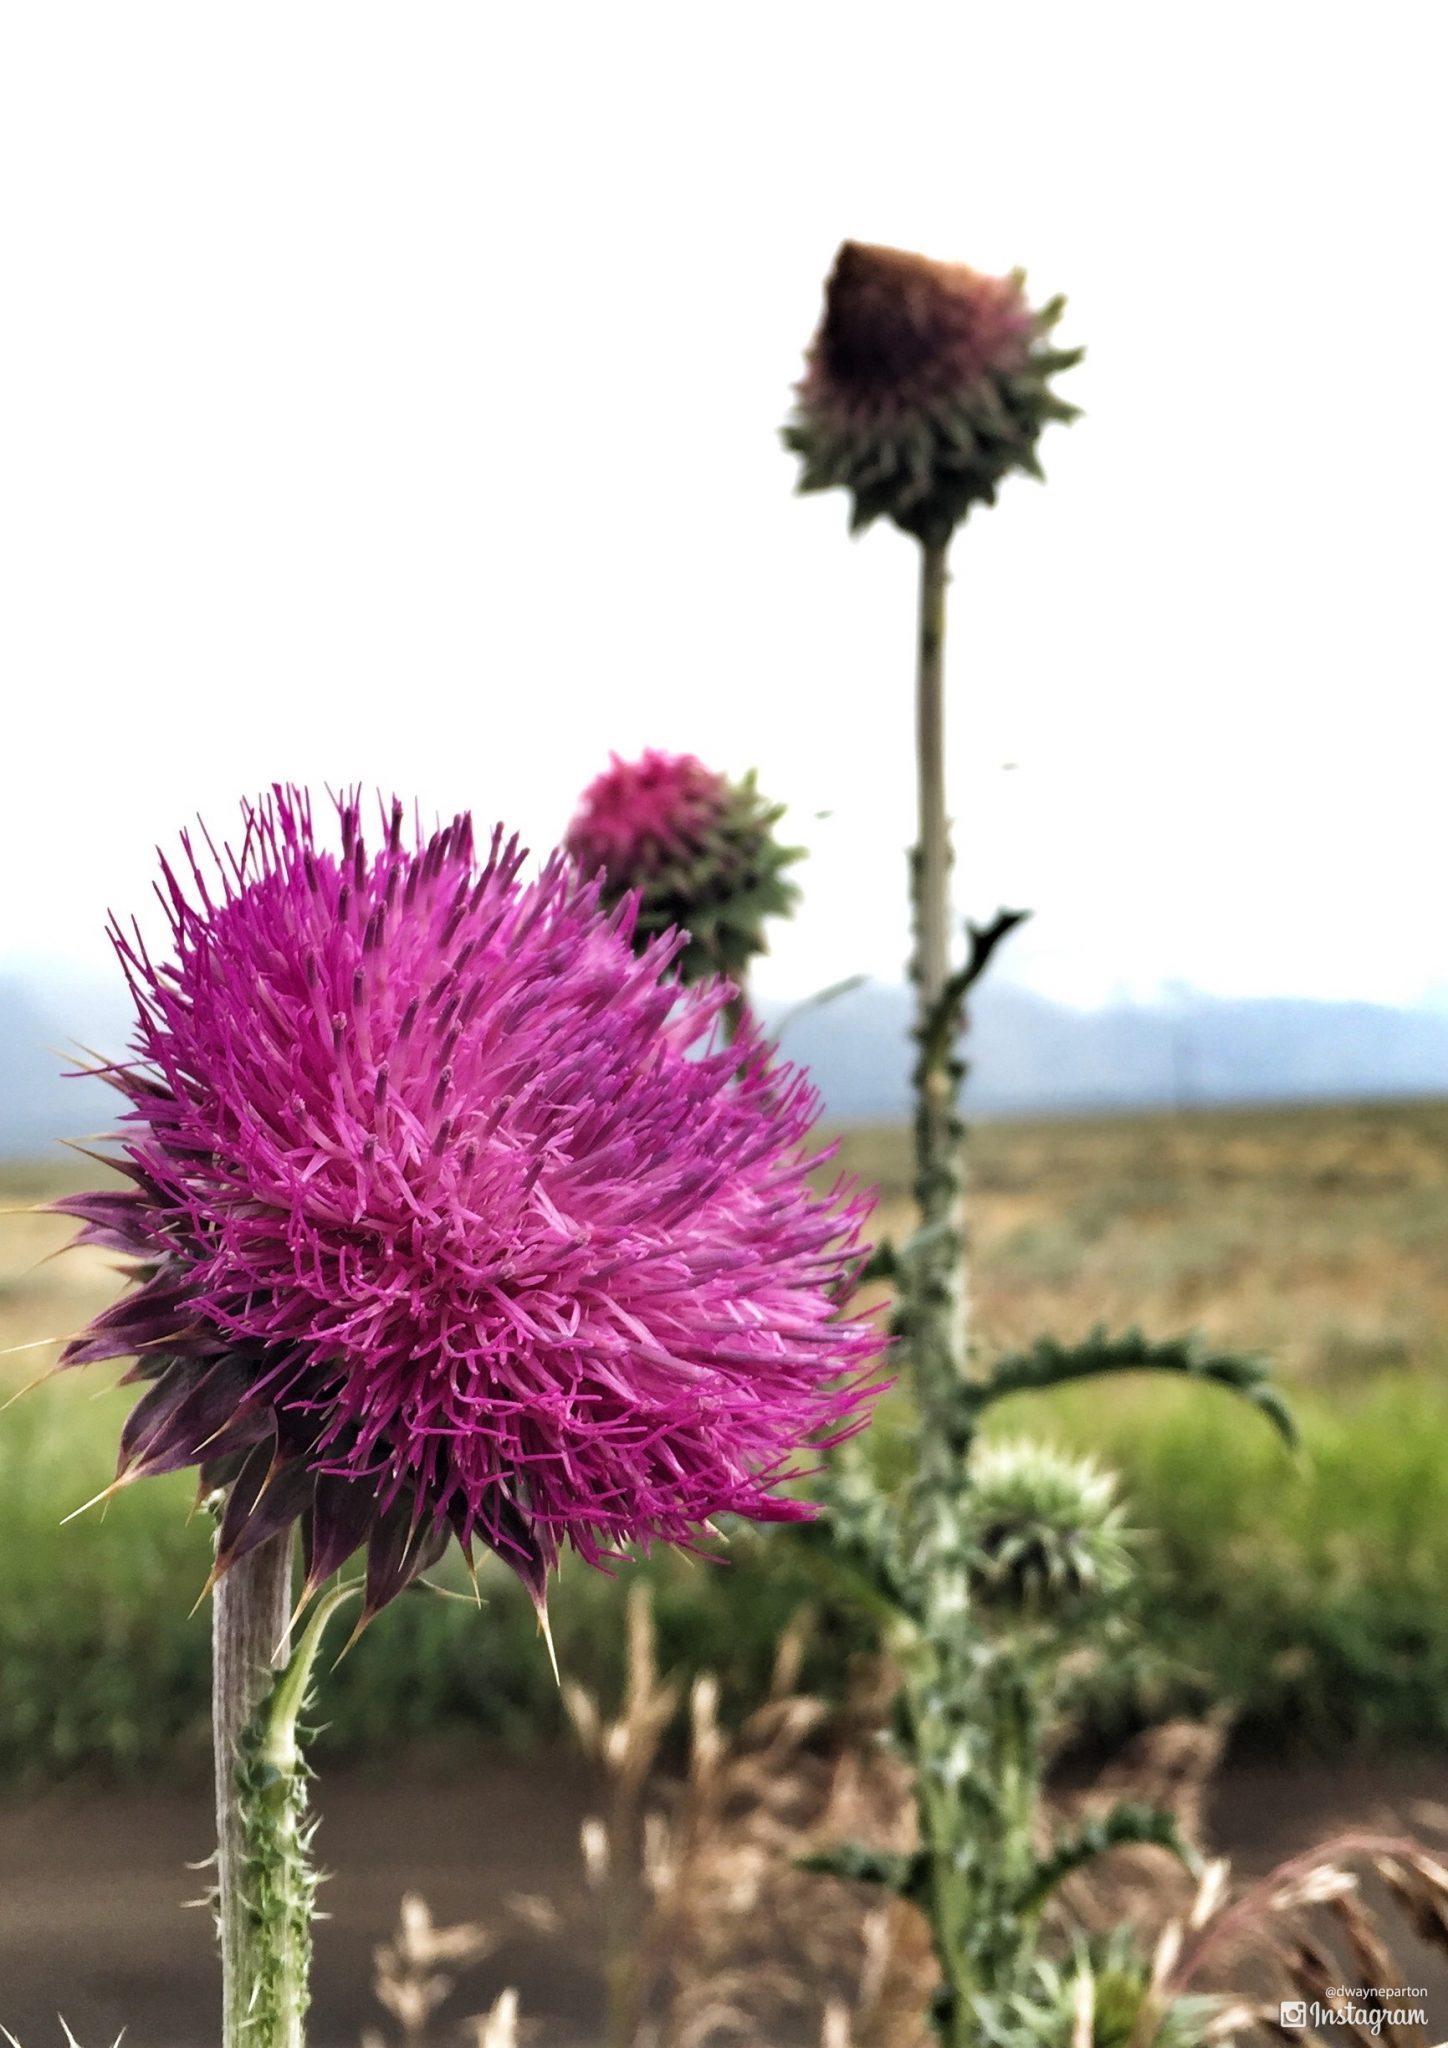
x=99, y=1661
x=1308, y=1592
x=102, y=1664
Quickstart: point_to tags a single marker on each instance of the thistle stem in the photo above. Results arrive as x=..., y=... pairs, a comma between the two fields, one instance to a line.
x=940, y=1681
x=249, y=1643
x=939, y=1309
x=932, y=939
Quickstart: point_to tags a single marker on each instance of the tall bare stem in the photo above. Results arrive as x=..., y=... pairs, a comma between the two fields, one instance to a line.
x=938, y=1330
x=932, y=936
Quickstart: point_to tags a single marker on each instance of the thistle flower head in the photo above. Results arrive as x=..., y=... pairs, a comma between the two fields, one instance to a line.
x=452, y=1215
x=926, y=384
x=1046, y=1534
x=699, y=850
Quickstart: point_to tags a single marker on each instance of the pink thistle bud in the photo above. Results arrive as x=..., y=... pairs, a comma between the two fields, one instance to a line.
x=451, y=1217
x=699, y=850
x=926, y=384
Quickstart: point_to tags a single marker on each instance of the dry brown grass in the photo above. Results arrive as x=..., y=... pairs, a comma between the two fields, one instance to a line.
x=713, y=1936
x=43, y=1295
x=1317, y=1235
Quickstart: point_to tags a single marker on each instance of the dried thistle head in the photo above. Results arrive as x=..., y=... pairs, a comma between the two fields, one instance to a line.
x=926, y=384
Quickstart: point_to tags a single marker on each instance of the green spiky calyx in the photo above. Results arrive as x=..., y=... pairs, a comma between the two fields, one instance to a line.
x=1045, y=1534
x=699, y=851
x=723, y=893
x=926, y=385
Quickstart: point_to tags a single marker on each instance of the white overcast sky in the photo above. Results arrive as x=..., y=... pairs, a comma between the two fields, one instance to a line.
x=391, y=394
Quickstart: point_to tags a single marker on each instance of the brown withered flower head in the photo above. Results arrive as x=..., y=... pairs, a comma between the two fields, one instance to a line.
x=925, y=385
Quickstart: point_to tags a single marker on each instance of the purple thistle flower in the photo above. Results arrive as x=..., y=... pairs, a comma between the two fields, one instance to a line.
x=699, y=850
x=452, y=1216
x=640, y=816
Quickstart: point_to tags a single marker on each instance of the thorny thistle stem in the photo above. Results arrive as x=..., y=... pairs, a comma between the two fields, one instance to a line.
x=972, y=1714
x=267, y=1884
x=973, y=1725
x=935, y=1312
x=938, y=1309
x=249, y=1614
x=971, y=1710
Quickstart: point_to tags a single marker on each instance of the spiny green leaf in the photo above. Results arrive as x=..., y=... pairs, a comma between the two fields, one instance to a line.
x=856, y=1864
x=1049, y=1363
x=1128, y=1825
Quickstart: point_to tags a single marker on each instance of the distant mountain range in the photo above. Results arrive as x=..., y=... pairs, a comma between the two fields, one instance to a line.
x=37, y=1103
x=1028, y=1055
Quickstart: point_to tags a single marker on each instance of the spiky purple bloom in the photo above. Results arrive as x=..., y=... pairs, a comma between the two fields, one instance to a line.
x=698, y=849
x=926, y=384
x=639, y=816
x=452, y=1216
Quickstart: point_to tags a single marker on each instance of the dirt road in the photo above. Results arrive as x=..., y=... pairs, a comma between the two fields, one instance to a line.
x=91, y=1890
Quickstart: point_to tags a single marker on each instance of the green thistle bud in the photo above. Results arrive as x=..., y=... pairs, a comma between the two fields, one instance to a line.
x=926, y=384
x=1045, y=1533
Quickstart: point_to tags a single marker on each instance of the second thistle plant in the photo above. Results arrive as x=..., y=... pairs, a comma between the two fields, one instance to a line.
x=926, y=386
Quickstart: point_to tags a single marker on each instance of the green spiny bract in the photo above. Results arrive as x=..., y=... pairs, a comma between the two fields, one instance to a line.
x=926, y=385
x=723, y=895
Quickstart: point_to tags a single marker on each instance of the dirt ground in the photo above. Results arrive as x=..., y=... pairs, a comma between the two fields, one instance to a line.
x=92, y=1889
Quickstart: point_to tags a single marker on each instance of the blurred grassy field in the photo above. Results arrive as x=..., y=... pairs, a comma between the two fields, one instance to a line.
x=1310, y=1593
x=1318, y=1235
